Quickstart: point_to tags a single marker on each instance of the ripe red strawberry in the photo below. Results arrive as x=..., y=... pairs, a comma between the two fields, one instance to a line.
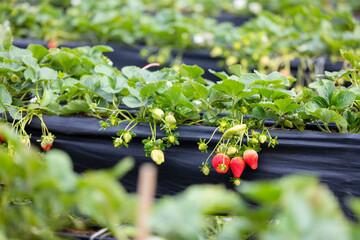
x=221, y=163
x=251, y=158
x=51, y=44
x=237, y=165
x=47, y=142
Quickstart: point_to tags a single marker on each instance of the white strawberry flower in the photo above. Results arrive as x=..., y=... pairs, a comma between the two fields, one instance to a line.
x=240, y=4
x=75, y=2
x=198, y=39
x=255, y=7
x=34, y=99
x=169, y=84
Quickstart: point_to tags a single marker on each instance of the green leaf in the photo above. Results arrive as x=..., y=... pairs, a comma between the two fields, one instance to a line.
x=31, y=62
x=270, y=105
x=149, y=89
x=221, y=75
x=259, y=113
x=105, y=70
x=351, y=58
x=191, y=72
x=6, y=37
x=343, y=99
x=319, y=102
x=328, y=116
x=132, y=72
x=48, y=97
x=133, y=102
x=75, y=106
x=230, y=87
x=113, y=85
x=195, y=89
x=10, y=67
x=327, y=90
x=17, y=54
x=60, y=170
x=31, y=74
x=102, y=48
x=286, y=105
x=38, y=51
x=236, y=70
x=64, y=60
x=46, y=73
x=5, y=98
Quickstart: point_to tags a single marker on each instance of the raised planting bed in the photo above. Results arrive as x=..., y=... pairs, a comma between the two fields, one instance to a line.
x=333, y=157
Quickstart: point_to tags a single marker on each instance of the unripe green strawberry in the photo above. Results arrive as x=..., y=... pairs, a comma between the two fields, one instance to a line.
x=227, y=135
x=244, y=110
x=205, y=170
x=231, y=150
x=203, y=147
x=171, y=139
x=237, y=182
x=104, y=124
x=254, y=141
x=234, y=131
x=262, y=138
x=14, y=78
x=118, y=142
x=112, y=120
x=288, y=124
x=25, y=140
x=127, y=137
x=157, y=156
x=157, y=114
x=170, y=119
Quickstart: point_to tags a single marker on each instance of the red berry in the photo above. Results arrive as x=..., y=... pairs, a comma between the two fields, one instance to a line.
x=251, y=158
x=237, y=165
x=221, y=163
x=1, y=138
x=51, y=44
x=45, y=146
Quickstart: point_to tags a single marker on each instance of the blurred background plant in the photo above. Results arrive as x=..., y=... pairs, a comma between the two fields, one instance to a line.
x=279, y=32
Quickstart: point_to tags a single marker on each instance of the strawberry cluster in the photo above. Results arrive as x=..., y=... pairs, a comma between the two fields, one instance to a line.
x=222, y=163
x=231, y=151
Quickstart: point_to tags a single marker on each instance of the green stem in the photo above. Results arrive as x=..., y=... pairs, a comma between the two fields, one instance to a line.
x=318, y=125
x=212, y=135
x=277, y=123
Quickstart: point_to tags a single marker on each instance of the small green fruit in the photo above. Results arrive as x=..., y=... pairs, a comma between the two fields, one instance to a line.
x=118, y=142
x=171, y=139
x=205, y=170
x=288, y=124
x=170, y=119
x=262, y=138
x=127, y=137
x=231, y=150
x=203, y=147
x=157, y=114
x=237, y=182
x=244, y=110
x=157, y=156
x=14, y=78
x=254, y=141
